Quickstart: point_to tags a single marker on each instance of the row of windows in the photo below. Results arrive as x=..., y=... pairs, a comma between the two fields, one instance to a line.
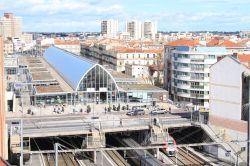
x=192, y=92
x=139, y=56
x=137, y=62
x=198, y=56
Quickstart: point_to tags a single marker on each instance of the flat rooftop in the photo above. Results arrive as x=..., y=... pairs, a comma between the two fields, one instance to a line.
x=41, y=76
x=140, y=87
x=34, y=65
x=32, y=70
x=49, y=89
x=40, y=70
x=120, y=77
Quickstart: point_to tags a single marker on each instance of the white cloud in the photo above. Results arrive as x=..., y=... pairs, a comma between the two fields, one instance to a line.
x=64, y=25
x=57, y=6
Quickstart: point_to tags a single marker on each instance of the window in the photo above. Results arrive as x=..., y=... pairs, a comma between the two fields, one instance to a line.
x=211, y=56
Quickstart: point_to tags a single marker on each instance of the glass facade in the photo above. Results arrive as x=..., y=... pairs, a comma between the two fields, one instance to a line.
x=97, y=86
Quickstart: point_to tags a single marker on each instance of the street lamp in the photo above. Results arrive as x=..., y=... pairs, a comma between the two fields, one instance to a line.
x=21, y=135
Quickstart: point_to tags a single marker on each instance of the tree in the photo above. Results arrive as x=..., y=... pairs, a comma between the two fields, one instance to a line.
x=159, y=58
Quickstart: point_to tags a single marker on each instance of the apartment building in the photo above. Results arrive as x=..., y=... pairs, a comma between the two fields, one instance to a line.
x=10, y=25
x=27, y=38
x=149, y=74
x=134, y=28
x=116, y=57
x=141, y=30
x=68, y=45
x=149, y=29
x=109, y=28
x=186, y=71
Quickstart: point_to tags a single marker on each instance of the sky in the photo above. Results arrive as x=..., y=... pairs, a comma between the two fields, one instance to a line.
x=170, y=15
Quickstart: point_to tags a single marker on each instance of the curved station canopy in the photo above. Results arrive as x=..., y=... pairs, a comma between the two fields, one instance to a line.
x=73, y=69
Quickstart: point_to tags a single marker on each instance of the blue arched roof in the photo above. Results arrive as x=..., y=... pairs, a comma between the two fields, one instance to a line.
x=70, y=66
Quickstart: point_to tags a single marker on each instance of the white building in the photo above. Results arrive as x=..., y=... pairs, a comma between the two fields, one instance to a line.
x=10, y=25
x=27, y=38
x=117, y=57
x=109, y=28
x=135, y=57
x=229, y=97
x=134, y=28
x=139, y=71
x=68, y=45
x=8, y=47
x=149, y=29
x=189, y=72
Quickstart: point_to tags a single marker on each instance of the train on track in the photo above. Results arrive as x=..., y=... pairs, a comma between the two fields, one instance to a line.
x=170, y=146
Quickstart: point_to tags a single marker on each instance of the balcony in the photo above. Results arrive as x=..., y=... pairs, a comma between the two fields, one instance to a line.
x=198, y=96
x=183, y=86
x=197, y=87
x=181, y=94
x=198, y=61
x=182, y=60
x=197, y=78
x=197, y=69
x=184, y=69
x=183, y=77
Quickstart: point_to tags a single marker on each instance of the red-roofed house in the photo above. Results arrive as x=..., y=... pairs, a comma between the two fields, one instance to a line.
x=184, y=42
x=244, y=59
x=68, y=45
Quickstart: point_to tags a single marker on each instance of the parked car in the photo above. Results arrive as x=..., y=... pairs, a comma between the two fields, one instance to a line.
x=136, y=112
x=159, y=111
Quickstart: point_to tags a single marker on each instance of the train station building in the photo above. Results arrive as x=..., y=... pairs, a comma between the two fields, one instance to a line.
x=63, y=77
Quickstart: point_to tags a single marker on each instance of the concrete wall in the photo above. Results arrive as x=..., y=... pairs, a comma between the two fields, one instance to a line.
x=225, y=89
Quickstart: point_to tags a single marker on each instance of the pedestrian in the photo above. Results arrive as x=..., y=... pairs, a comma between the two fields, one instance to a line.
x=169, y=109
x=120, y=122
x=105, y=109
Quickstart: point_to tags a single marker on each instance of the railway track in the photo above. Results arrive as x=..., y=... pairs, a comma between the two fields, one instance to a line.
x=64, y=159
x=183, y=158
x=144, y=158
x=117, y=158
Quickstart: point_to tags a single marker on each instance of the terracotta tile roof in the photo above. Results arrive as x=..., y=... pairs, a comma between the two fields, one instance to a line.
x=244, y=42
x=184, y=42
x=213, y=42
x=244, y=57
x=66, y=42
x=223, y=43
x=228, y=43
